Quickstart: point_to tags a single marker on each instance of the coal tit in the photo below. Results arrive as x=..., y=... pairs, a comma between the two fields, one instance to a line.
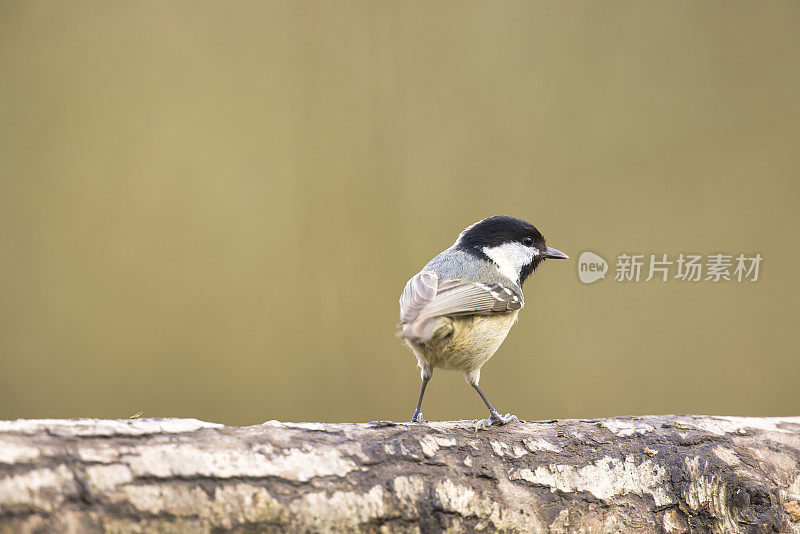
x=455, y=313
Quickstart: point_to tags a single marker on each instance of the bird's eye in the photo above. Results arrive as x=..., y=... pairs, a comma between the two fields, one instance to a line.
x=527, y=241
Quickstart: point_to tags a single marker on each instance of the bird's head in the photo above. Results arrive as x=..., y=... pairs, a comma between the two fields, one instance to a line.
x=514, y=245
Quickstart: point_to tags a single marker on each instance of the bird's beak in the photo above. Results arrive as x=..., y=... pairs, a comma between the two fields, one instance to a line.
x=555, y=254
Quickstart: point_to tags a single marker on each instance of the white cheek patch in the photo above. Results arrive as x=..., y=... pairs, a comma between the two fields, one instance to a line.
x=511, y=258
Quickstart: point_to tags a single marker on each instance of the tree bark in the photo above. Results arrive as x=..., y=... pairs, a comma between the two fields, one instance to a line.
x=626, y=474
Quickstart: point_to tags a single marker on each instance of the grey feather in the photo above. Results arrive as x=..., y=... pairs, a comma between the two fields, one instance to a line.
x=419, y=291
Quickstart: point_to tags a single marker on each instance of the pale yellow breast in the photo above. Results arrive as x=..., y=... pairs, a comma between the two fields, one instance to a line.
x=465, y=343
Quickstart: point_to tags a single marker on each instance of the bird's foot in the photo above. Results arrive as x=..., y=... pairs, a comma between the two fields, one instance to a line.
x=495, y=419
x=417, y=417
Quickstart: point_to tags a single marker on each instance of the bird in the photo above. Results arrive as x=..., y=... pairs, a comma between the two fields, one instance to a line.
x=457, y=311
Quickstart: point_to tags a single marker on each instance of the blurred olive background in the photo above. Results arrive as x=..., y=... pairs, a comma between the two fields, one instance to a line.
x=209, y=209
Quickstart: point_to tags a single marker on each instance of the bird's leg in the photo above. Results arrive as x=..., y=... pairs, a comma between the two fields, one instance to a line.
x=426, y=374
x=494, y=415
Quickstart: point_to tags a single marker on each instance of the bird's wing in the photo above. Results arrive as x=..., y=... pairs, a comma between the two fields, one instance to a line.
x=418, y=293
x=425, y=298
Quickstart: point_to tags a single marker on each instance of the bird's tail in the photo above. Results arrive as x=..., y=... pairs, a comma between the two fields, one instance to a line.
x=422, y=330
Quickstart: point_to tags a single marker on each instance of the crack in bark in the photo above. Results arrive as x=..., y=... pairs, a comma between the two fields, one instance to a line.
x=627, y=474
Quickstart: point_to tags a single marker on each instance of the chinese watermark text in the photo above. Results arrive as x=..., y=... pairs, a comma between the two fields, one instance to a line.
x=663, y=267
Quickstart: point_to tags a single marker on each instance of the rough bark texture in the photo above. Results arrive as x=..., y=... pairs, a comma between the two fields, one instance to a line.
x=631, y=474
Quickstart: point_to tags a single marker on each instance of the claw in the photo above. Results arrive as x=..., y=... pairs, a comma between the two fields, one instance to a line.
x=417, y=417
x=507, y=418
x=495, y=419
x=483, y=424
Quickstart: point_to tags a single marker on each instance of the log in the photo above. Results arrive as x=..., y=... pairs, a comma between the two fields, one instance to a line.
x=624, y=474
